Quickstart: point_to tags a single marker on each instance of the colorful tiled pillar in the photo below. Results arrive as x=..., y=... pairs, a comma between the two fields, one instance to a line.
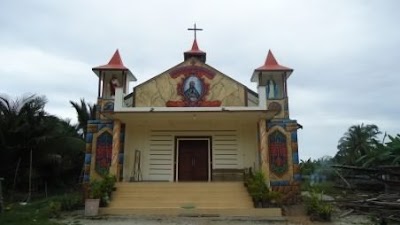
x=98, y=149
x=91, y=129
x=121, y=152
x=114, y=170
x=283, y=158
x=263, y=147
x=295, y=157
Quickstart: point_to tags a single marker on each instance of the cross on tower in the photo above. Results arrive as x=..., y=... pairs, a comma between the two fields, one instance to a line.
x=195, y=29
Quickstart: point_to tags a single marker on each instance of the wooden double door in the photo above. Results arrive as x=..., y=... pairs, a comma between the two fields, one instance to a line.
x=193, y=159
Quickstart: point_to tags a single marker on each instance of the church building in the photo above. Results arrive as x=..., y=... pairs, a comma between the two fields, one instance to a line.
x=192, y=122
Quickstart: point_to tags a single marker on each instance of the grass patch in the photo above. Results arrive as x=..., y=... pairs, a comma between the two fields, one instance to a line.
x=39, y=212
x=188, y=206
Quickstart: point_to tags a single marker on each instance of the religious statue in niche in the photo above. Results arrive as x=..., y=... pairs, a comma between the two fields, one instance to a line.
x=272, y=89
x=193, y=87
x=114, y=83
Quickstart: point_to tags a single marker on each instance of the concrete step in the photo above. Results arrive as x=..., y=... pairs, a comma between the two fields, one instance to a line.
x=181, y=205
x=178, y=195
x=273, y=213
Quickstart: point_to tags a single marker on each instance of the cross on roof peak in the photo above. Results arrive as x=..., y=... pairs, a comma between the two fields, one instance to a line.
x=195, y=29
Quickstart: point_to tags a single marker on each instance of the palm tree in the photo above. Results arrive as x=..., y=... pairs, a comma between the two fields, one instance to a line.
x=394, y=148
x=358, y=141
x=85, y=112
x=21, y=122
x=28, y=133
x=22, y=129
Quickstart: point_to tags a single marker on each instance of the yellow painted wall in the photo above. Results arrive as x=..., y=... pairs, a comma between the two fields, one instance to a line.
x=163, y=88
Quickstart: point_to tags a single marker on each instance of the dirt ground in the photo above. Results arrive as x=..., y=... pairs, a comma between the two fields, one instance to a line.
x=295, y=215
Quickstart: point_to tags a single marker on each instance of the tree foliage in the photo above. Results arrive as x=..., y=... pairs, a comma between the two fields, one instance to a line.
x=25, y=127
x=360, y=147
x=85, y=112
x=358, y=141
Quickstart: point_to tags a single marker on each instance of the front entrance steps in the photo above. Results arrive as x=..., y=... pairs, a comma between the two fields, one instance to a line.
x=184, y=198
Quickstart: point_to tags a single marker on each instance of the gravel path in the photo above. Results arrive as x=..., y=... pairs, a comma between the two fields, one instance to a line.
x=136, y=220
x=129, y=220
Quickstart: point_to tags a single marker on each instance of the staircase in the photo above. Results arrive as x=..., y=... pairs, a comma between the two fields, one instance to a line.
x=176, y=198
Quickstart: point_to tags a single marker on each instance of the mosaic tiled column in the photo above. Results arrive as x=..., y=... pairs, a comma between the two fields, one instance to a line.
x=262, y=131
x=91, y=128
x=115, y=149
x=288, y=181
x=121, y=152
x=295, y=157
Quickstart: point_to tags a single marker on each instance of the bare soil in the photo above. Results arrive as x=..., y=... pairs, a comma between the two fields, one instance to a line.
x=295, y=215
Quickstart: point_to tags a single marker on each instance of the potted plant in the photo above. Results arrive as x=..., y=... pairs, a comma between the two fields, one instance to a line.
x=95, y=193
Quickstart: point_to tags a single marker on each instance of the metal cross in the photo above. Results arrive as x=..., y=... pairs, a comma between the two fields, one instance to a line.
x=195, y=29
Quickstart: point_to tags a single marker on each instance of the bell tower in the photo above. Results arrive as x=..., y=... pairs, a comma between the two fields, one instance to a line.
x=111, y=76
x=278, y=146
x=105, y=136
x=272, y=77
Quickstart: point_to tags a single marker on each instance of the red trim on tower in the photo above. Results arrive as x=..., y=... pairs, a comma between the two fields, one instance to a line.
x=271, y=64
x=115, y=63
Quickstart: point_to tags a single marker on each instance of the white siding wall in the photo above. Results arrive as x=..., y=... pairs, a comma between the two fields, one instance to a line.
x=160, y=157
x=225, y=146
x=233, y=147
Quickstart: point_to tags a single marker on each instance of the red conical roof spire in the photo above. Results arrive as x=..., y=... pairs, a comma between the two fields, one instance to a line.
x=271, y=64
x=115, y=63
x=195, y=48
x=116, y=59
x=195, y=52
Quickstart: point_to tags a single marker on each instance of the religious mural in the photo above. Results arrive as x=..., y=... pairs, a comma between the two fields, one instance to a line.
x=191, y=84
x=278, y=153
x=103, y=153
x=193, y=87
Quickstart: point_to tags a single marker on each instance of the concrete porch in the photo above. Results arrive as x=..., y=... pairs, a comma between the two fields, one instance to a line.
x=184, y=199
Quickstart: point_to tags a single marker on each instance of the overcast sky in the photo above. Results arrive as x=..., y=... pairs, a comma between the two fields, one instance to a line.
x=345, y=54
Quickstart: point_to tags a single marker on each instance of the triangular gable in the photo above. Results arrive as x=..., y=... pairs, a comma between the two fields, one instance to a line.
x=191, y=83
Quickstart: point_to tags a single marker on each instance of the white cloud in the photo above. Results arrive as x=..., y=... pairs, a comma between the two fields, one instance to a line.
x=31, y=70
x=345, y=53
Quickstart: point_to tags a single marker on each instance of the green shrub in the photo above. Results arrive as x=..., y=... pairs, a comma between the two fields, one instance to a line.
x=95, y=189
x=108, y=183
x=274, y=198
x=102, y=189
x=316, y=208
x=257, y=186
x=71, y=202
x=54, y=209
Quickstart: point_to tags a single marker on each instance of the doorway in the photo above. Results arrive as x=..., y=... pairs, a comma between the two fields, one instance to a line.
x=193, y=159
